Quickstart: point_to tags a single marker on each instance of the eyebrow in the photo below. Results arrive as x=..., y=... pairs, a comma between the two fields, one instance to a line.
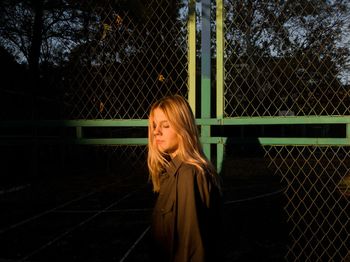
x=161, y=122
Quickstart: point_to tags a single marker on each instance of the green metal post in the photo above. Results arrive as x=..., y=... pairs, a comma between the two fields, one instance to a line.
x=191, y=26
x=219, y=156
x=219, y=76
x=219, y=59
x=79, y=132
x=206, y=73
x=348, y=132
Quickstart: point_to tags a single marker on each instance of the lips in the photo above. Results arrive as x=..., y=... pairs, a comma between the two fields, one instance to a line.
x=159, y=142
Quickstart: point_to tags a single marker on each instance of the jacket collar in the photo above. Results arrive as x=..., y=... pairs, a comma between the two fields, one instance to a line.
x=174, y=165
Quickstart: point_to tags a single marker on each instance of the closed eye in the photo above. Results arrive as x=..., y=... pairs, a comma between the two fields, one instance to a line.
x=162, y=124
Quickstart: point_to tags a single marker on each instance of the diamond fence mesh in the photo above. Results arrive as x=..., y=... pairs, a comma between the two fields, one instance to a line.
x=131, y=57
x=133, y=54
x=280, y=59
x=121, y=160
x=286, y=58
x=318, y=207
x=290, y=58
x=132, y=159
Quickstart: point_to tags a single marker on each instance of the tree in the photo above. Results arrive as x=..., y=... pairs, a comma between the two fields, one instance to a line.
x=40, y=30
x=40, y=34
x=284, y=55
x=135, y=52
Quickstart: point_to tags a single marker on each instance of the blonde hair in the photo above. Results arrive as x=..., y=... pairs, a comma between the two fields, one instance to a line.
x=190, y=151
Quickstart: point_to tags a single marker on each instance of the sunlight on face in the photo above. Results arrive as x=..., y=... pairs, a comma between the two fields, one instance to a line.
x=165, y=137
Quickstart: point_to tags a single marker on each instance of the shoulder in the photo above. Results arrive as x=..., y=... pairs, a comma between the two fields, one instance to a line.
x=189, y=169
x=193, y=181
x=190, y=173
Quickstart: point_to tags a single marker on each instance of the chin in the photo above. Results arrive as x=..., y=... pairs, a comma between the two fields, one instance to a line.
x=161, y=149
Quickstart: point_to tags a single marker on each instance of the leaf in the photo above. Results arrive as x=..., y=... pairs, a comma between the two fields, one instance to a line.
x=106, y=28
x=118, y=21
x=161, y=78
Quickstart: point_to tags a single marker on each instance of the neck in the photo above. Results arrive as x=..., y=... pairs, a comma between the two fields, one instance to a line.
x=173, y=155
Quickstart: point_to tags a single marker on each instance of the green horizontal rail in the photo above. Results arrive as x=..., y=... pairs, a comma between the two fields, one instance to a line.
x=276, y=141
x=280, y=120
x=78, y=141
x=76, y=123
x=205, y=140
x=79, y=124
x=111, y=141
x=286, y=120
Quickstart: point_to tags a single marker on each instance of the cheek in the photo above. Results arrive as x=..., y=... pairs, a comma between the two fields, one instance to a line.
x=171, y=136
x=175, y=139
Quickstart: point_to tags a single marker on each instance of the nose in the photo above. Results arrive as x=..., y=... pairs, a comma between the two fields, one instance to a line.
x=156, y=131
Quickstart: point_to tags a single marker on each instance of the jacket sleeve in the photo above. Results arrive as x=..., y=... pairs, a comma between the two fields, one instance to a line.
x=192, y=201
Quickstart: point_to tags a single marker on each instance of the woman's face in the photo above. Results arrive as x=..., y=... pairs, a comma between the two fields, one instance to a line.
x=165, y=137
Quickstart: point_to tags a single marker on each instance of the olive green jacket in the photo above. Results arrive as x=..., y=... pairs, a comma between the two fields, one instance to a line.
x=186, y=217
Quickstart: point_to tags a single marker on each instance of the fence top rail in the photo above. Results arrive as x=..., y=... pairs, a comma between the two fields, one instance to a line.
x=278, y=120
x=287, y=120
x=263, y=141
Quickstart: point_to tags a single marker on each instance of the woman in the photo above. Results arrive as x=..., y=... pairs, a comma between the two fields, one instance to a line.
x=186, y=215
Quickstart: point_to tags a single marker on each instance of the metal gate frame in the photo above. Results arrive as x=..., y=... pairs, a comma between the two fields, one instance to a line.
x=205, y=121
x=298, y=248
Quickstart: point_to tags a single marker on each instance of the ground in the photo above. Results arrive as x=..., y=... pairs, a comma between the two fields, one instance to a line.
x=90, y=216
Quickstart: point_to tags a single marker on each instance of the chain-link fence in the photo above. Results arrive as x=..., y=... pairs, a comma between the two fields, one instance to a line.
x=286, y=58
x=133, y=55
x=290, y=58
x=318, y=208
x=127, y=55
